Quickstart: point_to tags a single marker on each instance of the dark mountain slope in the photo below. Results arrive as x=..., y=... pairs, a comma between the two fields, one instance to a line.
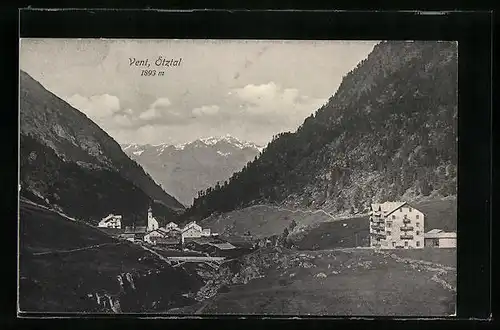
x=389, y=132
x=69, y=160
x=84, y=193
x=83, y=269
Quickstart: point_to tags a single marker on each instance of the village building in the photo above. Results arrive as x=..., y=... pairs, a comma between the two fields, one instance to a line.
x=155, y=236
x=151, y=236
x=168, y=242
x=396, y=225
x=191, y=230
x=111, y=221
x=441, y=239
x=134, y=233
x=213, y=246
x=172, y=225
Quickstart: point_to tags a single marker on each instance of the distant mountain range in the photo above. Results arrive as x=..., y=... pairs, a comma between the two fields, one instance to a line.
x=69, y=162
x=388, y=133
x=185, y=169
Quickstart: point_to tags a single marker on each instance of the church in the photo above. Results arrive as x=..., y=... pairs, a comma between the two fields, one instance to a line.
x=152, y=222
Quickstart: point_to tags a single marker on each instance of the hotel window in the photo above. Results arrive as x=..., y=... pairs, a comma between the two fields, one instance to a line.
x=389, y=232
x=393, y=216
x=401, y=210
x=409, y=209
x=418, y=243
x=406, y=243
x=418, y=232
x=418, y=224
x=416, y=216
x=389, y=224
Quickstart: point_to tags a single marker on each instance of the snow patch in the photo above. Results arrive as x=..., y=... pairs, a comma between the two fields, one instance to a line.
x=138, y=153
x=180, y=146
x=131, y=145
x=231, y=140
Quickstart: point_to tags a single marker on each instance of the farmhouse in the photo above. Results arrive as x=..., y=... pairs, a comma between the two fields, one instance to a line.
x=440, y=238
x=172, y=225
x=170, y=242
x=134, y=233
x=162, y=234
x=111, y=221
x=212, y=246
x=151, y=236
x=396, y=225
x=191, y=230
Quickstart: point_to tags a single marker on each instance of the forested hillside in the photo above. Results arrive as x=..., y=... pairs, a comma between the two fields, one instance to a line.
x=388, y=133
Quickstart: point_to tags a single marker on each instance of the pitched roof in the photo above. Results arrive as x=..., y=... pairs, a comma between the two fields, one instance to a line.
x=434, y=231
x=110, y=217
x=158, y=230
x=223, y=246
x=440, y=234
x=167, y=240
x=189, y=226
x=137, y=229
x=386, y=208
x=170, y=230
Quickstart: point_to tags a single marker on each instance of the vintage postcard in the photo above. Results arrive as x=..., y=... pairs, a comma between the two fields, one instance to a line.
x=238, y=177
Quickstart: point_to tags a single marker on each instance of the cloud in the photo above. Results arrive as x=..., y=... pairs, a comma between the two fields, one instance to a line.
x=104, y=110
x=123, y=120
x=156, y=109
x=161, y=112
x=209, y=110
x=161, y=103
x=272, y=103
x=151, y=113
x=96, y=106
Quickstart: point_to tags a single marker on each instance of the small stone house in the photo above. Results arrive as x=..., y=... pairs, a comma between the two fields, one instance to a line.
x=440, y=239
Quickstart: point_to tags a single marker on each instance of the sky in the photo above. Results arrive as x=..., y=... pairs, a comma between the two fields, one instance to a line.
x=250, y=89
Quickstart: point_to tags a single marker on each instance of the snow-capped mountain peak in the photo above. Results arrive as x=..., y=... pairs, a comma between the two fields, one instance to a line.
x=230, y=140
x=137, y=149
x=186, y=168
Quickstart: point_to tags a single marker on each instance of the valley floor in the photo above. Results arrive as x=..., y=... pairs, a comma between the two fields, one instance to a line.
x=327, y=276
x=358, y=282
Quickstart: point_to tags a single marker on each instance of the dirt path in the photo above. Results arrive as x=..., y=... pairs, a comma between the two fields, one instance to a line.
x=24, y=200
x=74, y=250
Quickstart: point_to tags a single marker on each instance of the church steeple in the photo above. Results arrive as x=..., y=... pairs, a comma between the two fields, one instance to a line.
x=152, y=223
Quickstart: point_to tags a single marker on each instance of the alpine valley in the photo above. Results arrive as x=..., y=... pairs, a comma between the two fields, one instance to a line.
x=185, y=169
x=289, y=220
